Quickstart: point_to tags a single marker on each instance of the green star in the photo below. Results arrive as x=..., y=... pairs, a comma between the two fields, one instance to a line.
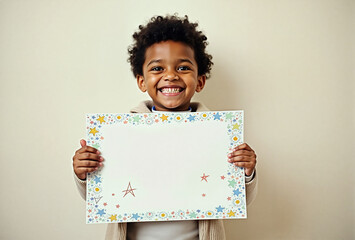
x=96, y=145
x=232, y=183
x=229, y=115
x=136, y=119
x=192, y=215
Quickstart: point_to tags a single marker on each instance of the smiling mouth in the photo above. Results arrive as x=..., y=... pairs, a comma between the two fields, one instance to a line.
x=171, y=90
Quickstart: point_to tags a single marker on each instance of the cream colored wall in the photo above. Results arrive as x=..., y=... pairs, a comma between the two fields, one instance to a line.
x=288, y=64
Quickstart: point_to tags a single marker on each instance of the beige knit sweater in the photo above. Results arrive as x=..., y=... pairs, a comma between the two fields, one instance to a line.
x=208, y=229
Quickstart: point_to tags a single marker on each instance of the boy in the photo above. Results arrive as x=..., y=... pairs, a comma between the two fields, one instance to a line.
x=169, y=61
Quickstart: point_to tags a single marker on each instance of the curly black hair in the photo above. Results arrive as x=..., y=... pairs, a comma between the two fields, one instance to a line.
x=173, y=28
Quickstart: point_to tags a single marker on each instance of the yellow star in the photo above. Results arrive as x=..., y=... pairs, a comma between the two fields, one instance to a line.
x=93, y=131
x=113, y=217
x=164, y=118
x=101, y=119
x=236, y=126
x=231, y=214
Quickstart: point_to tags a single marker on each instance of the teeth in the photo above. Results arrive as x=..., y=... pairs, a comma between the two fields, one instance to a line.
x=170, y=90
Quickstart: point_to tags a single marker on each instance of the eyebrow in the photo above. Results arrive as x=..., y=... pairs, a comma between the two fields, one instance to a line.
x=160, y=60
x=186, y=60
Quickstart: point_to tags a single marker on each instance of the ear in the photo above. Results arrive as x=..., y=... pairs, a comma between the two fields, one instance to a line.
x=141, y=83
x=201, y=80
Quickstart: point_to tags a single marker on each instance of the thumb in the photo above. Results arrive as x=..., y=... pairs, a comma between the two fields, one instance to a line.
x=82, y=143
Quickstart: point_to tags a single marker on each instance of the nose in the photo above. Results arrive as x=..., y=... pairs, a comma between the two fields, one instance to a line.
x=171, y=75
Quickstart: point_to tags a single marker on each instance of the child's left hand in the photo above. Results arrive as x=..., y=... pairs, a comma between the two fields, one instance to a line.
x=243, y=156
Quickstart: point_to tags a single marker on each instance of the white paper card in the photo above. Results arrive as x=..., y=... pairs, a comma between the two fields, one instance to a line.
x=165, y=166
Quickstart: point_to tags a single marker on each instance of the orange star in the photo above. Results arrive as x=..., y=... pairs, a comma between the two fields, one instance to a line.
x=101, y=119
x=164, y=118
x=113, y=217
x=231, y=214
x=93, y=131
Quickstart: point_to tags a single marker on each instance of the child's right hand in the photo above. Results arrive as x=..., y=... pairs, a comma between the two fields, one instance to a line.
x=86, y=159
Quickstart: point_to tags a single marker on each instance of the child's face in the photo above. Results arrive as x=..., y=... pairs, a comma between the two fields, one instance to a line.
x=170, y=75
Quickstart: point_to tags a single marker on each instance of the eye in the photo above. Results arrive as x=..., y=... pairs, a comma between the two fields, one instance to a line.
x=183, y=68
x=156, y=69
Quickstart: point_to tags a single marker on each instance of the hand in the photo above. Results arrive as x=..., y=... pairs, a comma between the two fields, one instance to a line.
x=243, y=156
x=86, y=159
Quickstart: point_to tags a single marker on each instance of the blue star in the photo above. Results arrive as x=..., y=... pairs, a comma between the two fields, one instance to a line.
x=97, y=179
x=236, y=192
x=219, y=208
x=198, y=210
x=135, y=216
x=191, y=118
x=101, y=212
x=217, y=116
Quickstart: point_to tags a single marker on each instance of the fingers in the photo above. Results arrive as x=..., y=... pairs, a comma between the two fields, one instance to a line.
x=244, y=146
x=243, y=156
x=243, y=161
x=87, y=149
x=86, y=159
x=82, y=143
x=88, y=164
x=89, y=156
x=242, y=153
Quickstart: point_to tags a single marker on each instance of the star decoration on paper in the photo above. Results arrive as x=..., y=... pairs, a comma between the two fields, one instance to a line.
x=204, y=177
x=101, y=212
x=93, y=131
x=232, y=183
x=223, y=177
x=236, y=192
x=97, y=179
x=236, y=126
x=136, y=119
x=129, y=190
x=219, y=208
x=191, y=118
x=113, y=217
x=97, y=199
x=229, y=115
x=136, y=216
x=192, y=215
x=101, y=119
x=231, y=214
x=217, y=116
x=164, y=118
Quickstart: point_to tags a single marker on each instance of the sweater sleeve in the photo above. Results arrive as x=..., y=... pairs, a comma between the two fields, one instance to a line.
x=81, y=185
x=251, y=189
